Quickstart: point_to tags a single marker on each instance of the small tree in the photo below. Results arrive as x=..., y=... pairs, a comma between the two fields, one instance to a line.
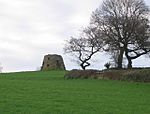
x=84, y=47
x=107, y=65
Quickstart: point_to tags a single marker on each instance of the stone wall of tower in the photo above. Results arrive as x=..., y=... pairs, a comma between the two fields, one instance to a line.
x=53, y=62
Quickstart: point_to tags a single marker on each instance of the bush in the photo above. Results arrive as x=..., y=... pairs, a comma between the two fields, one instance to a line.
x=75, y=74
x=112, y=74
x=142, y=75
x=107, y=65
x=135, y=75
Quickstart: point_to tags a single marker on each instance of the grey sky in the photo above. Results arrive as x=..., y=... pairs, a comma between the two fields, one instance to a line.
x=29, y=29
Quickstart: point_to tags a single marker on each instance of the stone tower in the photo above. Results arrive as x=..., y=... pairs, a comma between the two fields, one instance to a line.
x=53, y=62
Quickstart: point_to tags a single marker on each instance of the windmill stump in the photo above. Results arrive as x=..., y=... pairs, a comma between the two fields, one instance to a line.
x=53, y=62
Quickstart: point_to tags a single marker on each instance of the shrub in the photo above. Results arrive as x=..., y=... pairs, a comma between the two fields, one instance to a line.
x=107, y=65
x=135, y=75
x=142, y=75
x=74, y=74
x=113, y=74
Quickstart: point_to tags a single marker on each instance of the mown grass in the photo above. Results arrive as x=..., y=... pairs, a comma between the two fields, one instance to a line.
x=49, y=93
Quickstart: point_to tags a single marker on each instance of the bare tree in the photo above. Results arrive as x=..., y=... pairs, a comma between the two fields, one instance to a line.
x=123, y=24
x=84, y=47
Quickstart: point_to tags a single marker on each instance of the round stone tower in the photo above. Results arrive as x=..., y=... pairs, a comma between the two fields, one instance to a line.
x=53, y=62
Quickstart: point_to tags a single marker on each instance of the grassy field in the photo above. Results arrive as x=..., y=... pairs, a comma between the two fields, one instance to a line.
x=49, y=93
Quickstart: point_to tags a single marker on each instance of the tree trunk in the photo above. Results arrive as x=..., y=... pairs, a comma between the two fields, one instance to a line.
x=129, y=60
x=120, y=58
x=129, y=63
x=82, y=66
x=85, y=64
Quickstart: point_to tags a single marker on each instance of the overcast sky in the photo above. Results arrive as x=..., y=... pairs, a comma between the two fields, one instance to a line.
x=30, y=29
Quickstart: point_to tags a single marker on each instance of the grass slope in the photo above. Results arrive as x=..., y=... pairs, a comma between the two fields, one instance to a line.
x=49, y=93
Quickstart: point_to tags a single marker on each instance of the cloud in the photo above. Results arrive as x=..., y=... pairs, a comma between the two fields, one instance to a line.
x=32, y=28
x=29, y=29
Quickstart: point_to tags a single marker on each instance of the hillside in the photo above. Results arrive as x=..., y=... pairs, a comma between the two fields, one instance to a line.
x=49, y=93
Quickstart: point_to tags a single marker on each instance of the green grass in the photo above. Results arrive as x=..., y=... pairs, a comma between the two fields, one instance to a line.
x=49, y=93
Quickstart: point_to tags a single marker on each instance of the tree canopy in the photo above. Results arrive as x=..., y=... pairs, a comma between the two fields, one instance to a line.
x=119, y=27
x=85, y=46
x=124, y=25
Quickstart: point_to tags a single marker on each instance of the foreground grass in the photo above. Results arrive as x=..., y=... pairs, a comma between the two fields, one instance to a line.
x=49, y=93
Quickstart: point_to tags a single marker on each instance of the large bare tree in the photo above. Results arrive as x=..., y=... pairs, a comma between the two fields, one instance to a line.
x=84, y=47
x=124, y=25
